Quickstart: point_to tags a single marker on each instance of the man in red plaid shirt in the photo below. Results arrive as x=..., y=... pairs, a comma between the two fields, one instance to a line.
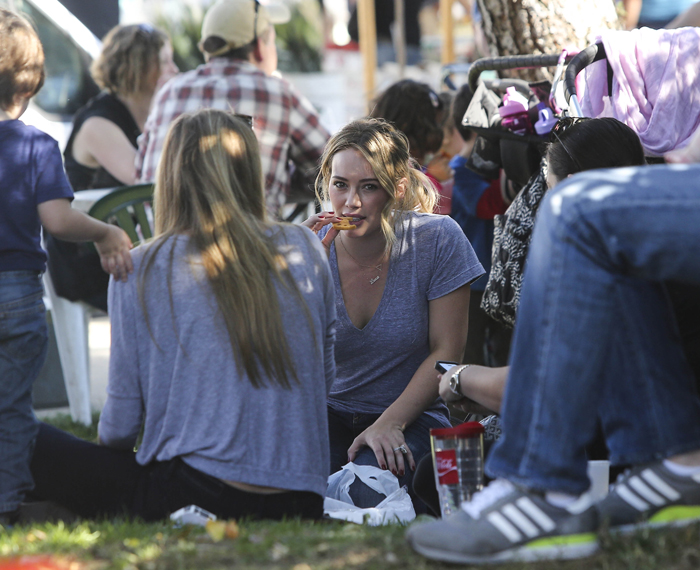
x=238, y=42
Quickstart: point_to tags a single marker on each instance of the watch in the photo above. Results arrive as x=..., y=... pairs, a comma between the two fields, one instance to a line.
x=454, y=380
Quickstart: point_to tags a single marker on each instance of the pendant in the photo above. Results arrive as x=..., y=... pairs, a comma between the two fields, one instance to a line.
x=374, y=280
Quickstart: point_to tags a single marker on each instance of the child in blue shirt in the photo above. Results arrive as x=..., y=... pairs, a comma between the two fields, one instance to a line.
x=475, y=202
x=34, y=191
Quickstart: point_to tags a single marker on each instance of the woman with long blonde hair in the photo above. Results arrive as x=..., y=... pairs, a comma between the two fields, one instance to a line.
x=222, y=352
x=402, y=279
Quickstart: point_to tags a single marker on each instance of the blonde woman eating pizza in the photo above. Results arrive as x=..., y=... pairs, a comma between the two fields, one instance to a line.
x=402, y=279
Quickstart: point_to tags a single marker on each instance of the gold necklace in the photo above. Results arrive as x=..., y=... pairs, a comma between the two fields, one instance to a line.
x=378, y=267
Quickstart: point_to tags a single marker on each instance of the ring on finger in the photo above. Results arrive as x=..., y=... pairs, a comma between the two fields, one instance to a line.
x=401, y=448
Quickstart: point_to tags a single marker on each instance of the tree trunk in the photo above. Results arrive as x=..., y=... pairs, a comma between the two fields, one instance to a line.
x=529, y=27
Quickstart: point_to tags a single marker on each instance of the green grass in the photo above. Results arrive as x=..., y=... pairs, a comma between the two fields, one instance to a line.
x=296, y=545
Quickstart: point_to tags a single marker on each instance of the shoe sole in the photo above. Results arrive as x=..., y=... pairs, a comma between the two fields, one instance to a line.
x=549, y=548
x=671, y=517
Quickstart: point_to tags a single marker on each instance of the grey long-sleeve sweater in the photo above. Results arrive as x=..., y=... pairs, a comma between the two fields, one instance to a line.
x=186, y=391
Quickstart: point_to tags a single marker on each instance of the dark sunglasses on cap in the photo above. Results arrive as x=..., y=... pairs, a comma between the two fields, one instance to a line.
x=247, y=119
x=255, y=22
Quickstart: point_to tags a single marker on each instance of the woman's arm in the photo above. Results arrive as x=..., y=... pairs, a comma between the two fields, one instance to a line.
x=447, y=330
x=102, y=143
x=481, y=384
x=123, y=412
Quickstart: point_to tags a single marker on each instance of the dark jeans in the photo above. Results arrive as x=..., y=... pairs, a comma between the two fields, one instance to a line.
x=344, y=427
x=95, y=481
x=23, y=344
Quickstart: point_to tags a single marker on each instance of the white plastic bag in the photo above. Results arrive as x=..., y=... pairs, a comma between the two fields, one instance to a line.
x=396, y=507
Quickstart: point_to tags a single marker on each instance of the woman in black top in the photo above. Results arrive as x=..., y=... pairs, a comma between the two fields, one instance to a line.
x=135, y=61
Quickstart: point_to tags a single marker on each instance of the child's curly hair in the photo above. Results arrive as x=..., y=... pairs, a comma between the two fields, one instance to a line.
x=21, y=59
x=416, y=110
x=129, y=55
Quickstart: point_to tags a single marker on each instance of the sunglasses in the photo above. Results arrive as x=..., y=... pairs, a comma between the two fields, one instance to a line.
x=561, y=126
x=247, y=119
x=255, y=22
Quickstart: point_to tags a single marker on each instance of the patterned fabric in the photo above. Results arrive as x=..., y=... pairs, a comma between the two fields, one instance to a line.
x=511, y=239
x=286, y=124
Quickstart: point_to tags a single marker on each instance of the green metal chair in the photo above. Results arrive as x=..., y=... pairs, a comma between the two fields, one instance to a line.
x=128, y=205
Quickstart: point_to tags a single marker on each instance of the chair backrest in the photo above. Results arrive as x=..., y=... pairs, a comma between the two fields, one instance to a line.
x=128, y=205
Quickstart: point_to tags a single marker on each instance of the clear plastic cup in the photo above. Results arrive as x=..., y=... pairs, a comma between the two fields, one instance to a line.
x=458, y=461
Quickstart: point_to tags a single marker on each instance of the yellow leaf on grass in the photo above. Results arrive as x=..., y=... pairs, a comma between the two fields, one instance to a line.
x=215, y=529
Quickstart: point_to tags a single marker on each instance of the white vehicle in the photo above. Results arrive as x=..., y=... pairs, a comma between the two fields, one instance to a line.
x=69, y=48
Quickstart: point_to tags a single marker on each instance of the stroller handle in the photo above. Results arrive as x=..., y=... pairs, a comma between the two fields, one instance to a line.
x=508, y=62
x=584, y=58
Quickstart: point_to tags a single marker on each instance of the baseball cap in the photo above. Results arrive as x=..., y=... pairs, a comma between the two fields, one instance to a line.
x=233, y=21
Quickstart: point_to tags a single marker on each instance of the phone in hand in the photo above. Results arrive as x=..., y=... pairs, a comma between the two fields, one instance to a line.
x=443, y=366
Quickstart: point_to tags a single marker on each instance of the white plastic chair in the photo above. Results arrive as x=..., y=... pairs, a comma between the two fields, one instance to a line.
x=70, y=321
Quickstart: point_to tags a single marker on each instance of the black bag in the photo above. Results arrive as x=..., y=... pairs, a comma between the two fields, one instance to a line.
x=511, y=240
x=75, y=269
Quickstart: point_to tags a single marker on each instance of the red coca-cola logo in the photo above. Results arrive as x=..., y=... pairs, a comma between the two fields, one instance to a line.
x=446, y=463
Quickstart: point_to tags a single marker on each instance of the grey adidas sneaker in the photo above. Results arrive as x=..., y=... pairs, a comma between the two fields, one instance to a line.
x=650, y=496
x=504, y=523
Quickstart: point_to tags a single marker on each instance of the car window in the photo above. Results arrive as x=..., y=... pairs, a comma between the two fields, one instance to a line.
x=68, y=84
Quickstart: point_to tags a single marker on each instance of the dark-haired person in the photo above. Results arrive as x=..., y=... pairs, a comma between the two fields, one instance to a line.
x=222, y=353
x=238, y=42
x=417, y=111
x=576, y=145
x=475, y=202
x=135, y=60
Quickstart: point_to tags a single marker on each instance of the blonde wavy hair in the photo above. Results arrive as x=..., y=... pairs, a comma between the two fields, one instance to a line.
x=129, y=55
x=209, y=186
x=387, y=151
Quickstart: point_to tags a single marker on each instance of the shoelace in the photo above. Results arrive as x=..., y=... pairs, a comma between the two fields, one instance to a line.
x=488, y=496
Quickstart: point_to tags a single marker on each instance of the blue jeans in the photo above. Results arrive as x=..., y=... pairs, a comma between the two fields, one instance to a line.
x=344, y=427
x=595, y=335
x=23, y=344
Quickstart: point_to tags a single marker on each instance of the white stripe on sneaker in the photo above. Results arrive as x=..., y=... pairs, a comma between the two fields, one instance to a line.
x=661, y=486
x=520, y=520
x=507, y=529
x=643, y=489
x=630, y=498
x=535, y=513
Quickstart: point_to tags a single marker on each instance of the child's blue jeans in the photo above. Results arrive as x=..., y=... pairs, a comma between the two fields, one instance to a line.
x=23, y=344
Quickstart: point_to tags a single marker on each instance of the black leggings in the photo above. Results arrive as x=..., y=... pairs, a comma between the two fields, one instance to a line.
x=95, y=481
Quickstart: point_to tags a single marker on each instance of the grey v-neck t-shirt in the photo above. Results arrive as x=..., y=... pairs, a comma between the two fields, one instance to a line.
x=431, y=258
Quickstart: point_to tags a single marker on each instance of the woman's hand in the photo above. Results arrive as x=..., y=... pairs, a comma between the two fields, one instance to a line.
x=389, y=445
x=318, y=221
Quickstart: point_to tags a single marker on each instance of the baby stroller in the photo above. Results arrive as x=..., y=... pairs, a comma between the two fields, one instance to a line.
x=645, y=78
x=512, y=117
